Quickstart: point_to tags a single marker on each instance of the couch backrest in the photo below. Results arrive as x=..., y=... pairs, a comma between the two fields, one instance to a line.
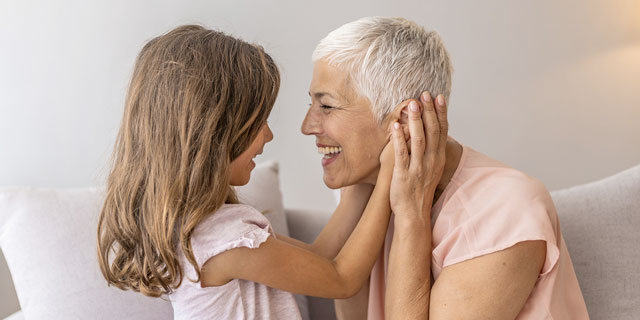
x=600, y=222
x=48, y=237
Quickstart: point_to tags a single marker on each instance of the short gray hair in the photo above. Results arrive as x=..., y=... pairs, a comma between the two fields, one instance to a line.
x=389, y=60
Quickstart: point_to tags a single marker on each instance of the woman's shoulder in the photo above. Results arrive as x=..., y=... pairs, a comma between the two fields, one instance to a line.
x=482, y=178
x=493, y=208
x=487, y=190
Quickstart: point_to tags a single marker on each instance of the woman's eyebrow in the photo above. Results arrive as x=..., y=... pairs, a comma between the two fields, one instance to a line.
x=319, y=95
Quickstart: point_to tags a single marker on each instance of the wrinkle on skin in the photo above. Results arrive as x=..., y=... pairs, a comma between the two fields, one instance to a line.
x=353, y=126
x=350, y=124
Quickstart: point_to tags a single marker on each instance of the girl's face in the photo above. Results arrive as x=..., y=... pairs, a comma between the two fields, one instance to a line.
x=241, y=167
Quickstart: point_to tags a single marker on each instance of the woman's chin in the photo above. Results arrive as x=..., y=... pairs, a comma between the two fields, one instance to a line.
x=331, y=182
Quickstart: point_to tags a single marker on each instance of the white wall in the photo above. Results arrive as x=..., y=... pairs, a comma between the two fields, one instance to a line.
x=549, y=87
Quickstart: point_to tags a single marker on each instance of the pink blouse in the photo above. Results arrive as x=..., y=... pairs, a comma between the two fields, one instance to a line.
x=232, y=226
x=488, y=207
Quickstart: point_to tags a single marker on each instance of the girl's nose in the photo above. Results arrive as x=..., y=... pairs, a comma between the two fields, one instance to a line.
x=268, y=134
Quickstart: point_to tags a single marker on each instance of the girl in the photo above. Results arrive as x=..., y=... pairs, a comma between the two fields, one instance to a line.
x=195, y=117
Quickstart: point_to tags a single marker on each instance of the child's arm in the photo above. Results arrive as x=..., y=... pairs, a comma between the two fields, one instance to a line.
x=282, y=265
x=353, y=200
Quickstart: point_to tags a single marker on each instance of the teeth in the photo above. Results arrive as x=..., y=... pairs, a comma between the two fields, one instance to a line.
x=329, y=150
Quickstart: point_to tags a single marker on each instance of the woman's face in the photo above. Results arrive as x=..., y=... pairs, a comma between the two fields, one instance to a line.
x=347, y=133
x=241, y=167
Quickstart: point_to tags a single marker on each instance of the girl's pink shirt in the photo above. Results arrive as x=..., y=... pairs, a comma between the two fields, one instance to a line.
x=488, y=207
x=232, y=226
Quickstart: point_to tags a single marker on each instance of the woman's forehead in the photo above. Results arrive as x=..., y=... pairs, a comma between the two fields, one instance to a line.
x=329, y=81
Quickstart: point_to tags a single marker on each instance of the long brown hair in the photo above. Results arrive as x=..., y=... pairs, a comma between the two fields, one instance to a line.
x=196, y=101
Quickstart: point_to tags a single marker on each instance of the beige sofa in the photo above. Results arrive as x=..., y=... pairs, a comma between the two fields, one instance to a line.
x=600, y=222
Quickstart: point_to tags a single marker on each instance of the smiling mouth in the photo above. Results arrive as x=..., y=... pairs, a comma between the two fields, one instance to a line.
x=329, y=152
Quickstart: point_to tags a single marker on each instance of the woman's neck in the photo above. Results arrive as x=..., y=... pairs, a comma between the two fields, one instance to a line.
x=453, y=152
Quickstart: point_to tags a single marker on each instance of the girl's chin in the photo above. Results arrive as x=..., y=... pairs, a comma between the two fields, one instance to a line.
x=241, y=181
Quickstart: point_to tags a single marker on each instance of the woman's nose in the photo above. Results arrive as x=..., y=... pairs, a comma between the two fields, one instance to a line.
x=311, y=123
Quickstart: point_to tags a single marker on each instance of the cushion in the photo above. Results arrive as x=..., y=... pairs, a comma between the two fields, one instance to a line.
x=305, y=225
x=9, y=302
x=263, y=193
x=600, y=223
x=48, y=237
x=19, y=315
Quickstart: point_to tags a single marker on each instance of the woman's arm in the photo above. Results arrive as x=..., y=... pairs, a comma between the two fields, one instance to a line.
x=354, y=308
x=493, y=286
x=281, y=265
x=408, y=280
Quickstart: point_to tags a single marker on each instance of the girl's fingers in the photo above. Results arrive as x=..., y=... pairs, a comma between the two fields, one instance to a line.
x=399, y=147
x=441, y=110
x=430, y=119
x=416, y=130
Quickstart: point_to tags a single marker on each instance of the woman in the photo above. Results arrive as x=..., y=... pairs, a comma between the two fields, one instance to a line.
x=491, y=240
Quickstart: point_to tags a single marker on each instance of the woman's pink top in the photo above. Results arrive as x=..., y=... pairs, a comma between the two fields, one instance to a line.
x=488, y=207
x=232, y=226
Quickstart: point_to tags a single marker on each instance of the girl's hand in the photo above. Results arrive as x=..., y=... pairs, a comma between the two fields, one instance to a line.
x=418, y=168
x=387, y=158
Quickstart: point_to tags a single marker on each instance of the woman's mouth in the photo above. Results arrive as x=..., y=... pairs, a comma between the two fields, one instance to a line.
x=330, y=154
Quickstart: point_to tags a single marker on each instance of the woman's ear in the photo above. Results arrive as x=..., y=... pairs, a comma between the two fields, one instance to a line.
x=401, y=114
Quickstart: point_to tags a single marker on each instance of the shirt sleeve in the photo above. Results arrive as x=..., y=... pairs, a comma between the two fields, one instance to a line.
x=496, y=217
x=232, y=226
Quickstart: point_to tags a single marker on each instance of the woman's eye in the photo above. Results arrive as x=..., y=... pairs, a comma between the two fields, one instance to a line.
x=324, y=107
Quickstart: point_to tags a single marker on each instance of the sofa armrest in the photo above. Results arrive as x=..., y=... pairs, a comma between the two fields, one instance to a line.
x=305, y=225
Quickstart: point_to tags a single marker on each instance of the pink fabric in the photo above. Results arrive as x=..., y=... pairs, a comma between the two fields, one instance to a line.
x=488, y=207
x=233, y=226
